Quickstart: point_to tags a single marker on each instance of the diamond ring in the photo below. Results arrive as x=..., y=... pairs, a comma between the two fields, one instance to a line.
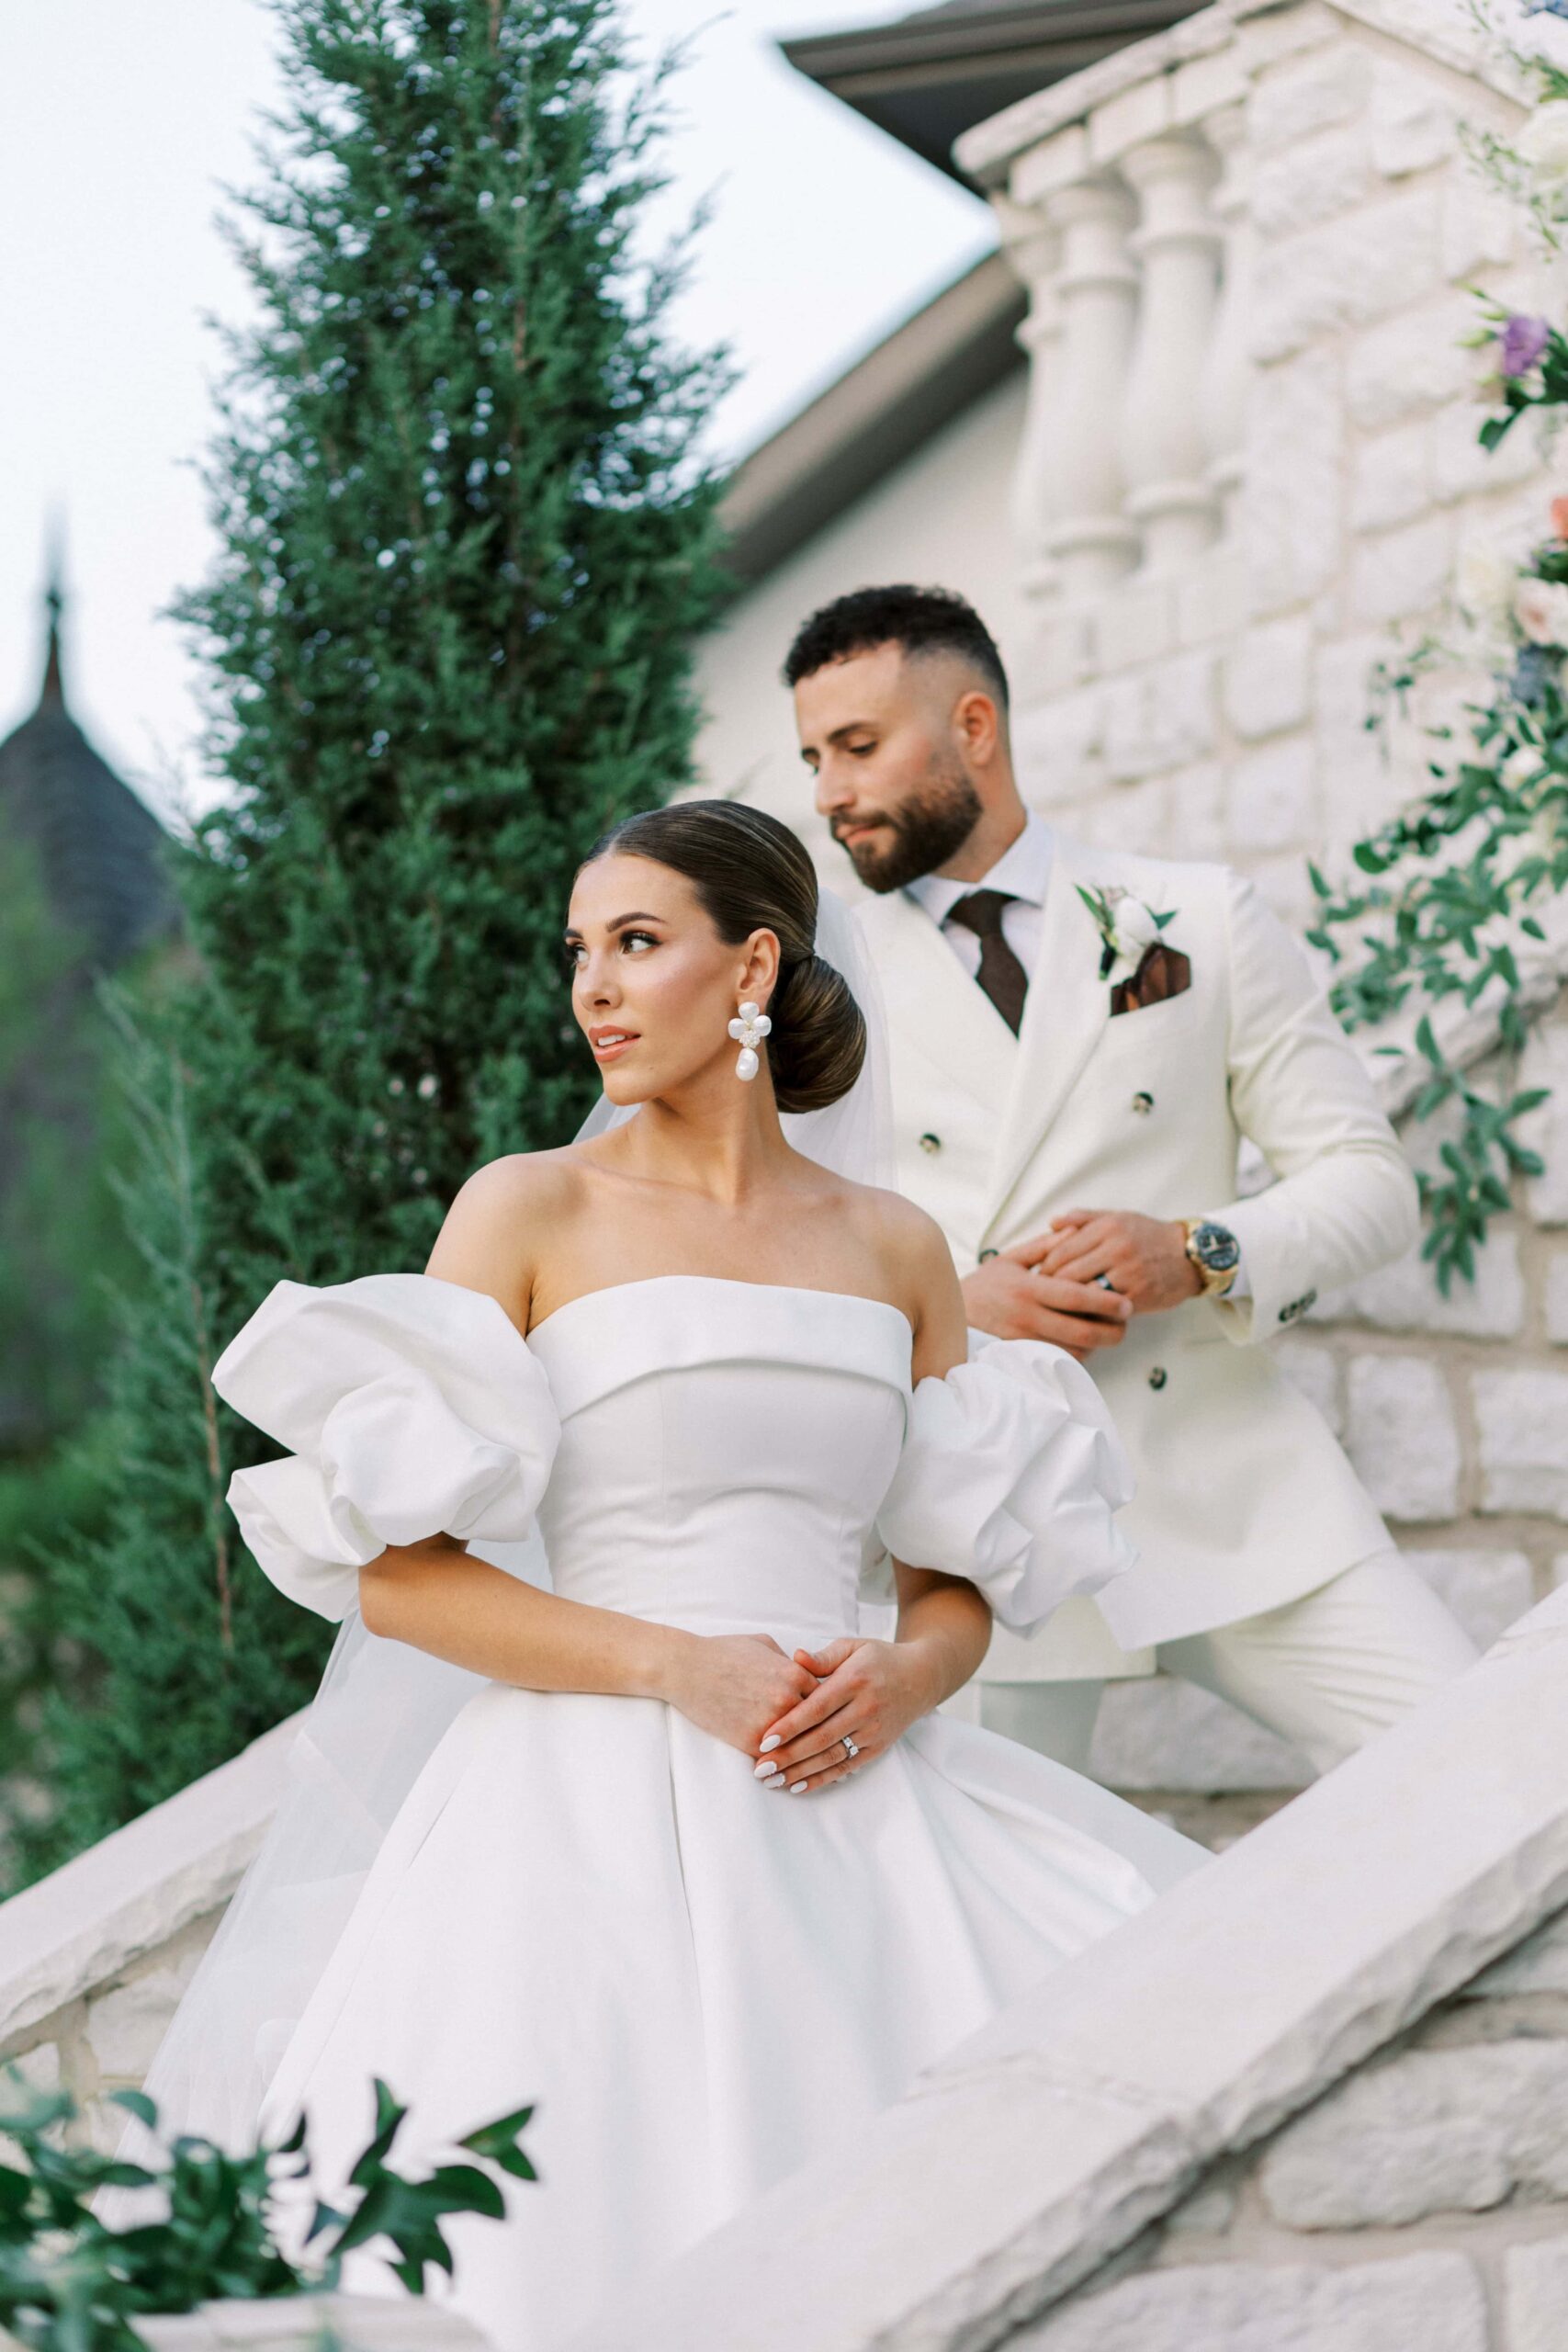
x=849, y=1747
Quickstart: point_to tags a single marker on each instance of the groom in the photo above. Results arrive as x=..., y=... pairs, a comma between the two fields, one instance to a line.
x=1080, y=1040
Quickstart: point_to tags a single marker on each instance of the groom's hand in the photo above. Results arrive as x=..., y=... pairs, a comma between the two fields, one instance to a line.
x=1013, y=1297
x=1145, y=1257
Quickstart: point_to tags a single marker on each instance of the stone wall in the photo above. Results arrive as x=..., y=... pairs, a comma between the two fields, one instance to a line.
x=94, y=1957
x=1423, y=2203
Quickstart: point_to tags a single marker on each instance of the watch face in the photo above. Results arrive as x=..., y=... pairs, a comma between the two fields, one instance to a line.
x=1216, y=1248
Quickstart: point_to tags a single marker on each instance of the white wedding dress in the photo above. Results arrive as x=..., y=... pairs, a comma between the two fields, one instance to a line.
x=586, y=1902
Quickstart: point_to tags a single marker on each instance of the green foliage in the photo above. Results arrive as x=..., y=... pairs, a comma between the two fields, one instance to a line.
x=1451, y=884
x=467, y=539
x=70, y=2281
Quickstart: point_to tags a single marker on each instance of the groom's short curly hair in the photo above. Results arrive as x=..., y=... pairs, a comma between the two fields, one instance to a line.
x=922, y=620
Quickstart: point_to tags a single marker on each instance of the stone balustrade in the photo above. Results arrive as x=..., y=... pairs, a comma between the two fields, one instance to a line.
x=1249, y=446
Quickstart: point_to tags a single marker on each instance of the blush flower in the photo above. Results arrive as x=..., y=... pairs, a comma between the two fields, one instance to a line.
x=1540, y=608
x=1523, y=339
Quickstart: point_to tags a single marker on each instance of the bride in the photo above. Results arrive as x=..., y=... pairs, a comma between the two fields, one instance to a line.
x=671, y=1847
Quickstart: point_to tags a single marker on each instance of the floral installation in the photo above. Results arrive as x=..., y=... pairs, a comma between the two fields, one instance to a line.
x=1128, y=928
x=1455, y=888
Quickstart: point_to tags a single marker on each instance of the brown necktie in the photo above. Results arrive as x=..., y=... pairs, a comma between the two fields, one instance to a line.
x=1001, y=974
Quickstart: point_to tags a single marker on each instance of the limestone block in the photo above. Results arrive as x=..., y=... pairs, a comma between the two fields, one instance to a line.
x=1136, y=622
x=124, y=2026
x=1462, y=468
x=1204, y=85
x=1283, y=884
x=1057, y=655
x=1346, y=272
x=1433, y=2301
x=1268, y=678
x=1401, y=1434
x=1267, y=35
x=1522, y=1419
x=1159, y=717
x=1391, y=477
x=1291, y=533
x=1535, y=2296
x=1058, y=746
x=1197, y=818
x=1273, y=799
x=1358, y=786
x=1557, y=1298
x=1124, y=122
x=1212, y=596
x=1479, y=227
x=1487, y=1592
x=302, y=2323
x=1056, y=163
x=1133, y=817
x=1394, y=573
x=1404, y=365
x=1310, y=180
x=1307, y=94
x=1454, y=2129
x=1538, y=1965
x=1162, y=1734
x=1544, y=1063
x=1413, y=123
x=1314, y=1371
x=1406, y=1298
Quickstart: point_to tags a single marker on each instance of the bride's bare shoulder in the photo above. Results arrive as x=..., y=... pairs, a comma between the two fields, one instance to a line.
x=496, y=1227
x=910, y=1245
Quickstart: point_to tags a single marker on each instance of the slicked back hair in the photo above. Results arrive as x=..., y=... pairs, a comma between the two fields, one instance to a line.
x=921, y=620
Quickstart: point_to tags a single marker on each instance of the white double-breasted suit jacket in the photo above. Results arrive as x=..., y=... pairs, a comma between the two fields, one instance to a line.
x=1244, y=1498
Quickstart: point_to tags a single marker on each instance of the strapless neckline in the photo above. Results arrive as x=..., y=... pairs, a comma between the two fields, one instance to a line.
x=721, y=1282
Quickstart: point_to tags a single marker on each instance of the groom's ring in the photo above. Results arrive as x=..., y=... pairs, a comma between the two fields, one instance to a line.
x=1104, y=1281
x=849, y=1747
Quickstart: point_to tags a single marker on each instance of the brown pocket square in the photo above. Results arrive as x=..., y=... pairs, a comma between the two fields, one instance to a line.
x=1164, y=972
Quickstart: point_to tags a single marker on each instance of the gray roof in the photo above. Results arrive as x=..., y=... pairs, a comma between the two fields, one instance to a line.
x=100, y=849
x=927, y=77
x=884, y=409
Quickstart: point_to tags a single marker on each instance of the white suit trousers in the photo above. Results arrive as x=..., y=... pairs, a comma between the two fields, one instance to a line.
x=1327, y=1672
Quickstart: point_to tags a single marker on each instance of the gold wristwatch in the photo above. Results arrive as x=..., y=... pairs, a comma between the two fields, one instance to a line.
x=1215, y=1252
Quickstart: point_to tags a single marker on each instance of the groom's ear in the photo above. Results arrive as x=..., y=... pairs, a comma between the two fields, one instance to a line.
x=979, y=725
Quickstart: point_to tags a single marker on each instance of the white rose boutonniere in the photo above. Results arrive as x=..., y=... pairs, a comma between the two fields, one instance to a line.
x=1126, y=926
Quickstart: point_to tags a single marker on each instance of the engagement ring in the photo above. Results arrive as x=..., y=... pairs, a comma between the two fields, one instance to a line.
x=849, y=1747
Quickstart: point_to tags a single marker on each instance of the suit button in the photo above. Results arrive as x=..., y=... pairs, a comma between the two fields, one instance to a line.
x=1142, y=1105
x=984, y=1254
x=1158, y=1376
x=931, y=1143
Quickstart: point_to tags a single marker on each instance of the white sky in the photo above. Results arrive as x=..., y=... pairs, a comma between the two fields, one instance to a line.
x=118, y=125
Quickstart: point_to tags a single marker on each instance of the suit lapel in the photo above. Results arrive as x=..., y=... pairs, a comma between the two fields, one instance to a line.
x=932, y=1001
x=1065, y=1014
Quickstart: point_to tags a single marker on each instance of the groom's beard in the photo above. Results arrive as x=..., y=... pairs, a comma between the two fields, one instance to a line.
x=922, y=833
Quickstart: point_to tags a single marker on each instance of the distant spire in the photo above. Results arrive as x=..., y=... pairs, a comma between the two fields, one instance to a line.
x=54, y=602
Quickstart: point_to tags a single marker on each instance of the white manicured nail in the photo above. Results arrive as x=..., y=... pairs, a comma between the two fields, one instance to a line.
x=776, y=1782
x=797, y=1788
x=771, y=1742
x=762, y=1770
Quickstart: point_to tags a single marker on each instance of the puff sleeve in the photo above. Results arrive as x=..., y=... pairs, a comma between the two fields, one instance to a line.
x=411, y=1407
x=1011, y=1476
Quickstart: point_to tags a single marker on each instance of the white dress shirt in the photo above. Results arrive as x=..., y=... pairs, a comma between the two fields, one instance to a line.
x=1023, y=871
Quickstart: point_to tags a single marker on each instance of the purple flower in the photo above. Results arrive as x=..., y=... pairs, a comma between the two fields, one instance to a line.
x=1523, y=339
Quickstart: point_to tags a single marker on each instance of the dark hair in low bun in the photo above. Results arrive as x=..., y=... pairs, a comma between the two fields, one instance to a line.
x=751, y=874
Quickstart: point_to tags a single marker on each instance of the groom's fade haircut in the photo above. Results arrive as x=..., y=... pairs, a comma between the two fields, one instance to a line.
x=921, y=620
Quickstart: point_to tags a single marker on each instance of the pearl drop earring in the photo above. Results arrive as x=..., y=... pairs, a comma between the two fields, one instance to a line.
x=749, y=1028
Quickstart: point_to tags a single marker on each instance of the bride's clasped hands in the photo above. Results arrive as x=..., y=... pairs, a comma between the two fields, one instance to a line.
x=865, y=1694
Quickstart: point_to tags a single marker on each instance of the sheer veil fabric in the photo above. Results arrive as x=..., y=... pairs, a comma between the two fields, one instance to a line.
x=381, y=1711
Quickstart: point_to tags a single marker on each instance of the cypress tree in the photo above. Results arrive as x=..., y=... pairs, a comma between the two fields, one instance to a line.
x=467, y=537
